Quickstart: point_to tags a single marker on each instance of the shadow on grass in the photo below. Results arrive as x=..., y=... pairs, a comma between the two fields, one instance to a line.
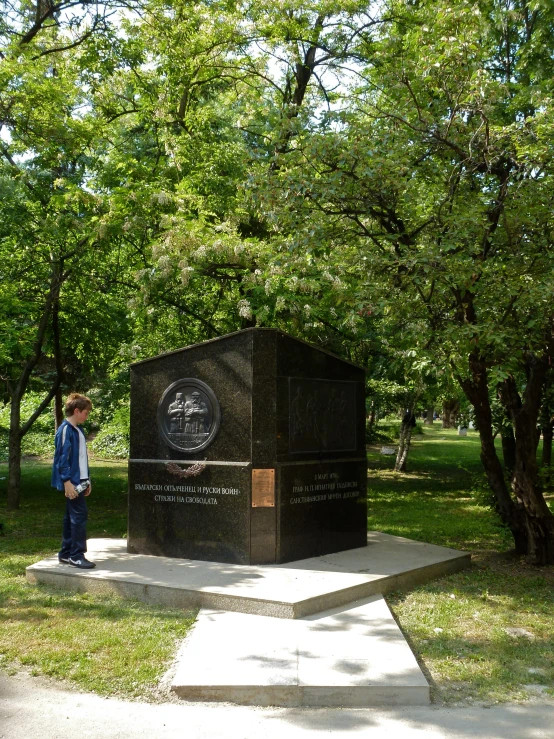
x=37, y=602
x=458, y=627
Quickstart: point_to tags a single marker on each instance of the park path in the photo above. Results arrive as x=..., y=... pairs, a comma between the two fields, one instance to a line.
x=33, y=707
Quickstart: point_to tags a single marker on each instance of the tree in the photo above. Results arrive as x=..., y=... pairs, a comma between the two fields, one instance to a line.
x=206, y=114
x=50, y=248
x=439, y=167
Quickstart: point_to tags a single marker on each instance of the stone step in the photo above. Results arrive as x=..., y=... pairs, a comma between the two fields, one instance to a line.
x=351, y=656
x=292, y=590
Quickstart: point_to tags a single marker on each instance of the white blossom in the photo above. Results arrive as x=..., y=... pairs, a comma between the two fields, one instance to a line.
x=245, y=309
x=161, y=197
x=185, y=274
x=164, y=265
x=200, y=253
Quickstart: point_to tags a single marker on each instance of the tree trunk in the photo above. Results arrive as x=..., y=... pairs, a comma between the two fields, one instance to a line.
x=17, y=390
x=58, y=409
x=528, y=490
x=14, y=455
x=403, y=450
x=404, y=442
x=547, y=434
x=58, y=400
x=294, y=95
x=524, y=412
x=508, y=449
x=371, y=417
x=547, y=426
x=511, y=513
x=450, y=410
x=430, y=417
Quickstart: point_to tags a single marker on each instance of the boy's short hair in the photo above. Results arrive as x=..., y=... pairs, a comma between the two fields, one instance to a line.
x=76, y=400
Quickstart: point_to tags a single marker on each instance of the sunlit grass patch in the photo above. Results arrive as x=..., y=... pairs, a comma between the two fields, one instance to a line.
x=101, y=643
x=435, y=501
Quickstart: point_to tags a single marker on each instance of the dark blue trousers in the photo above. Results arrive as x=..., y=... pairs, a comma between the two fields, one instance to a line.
x=74, y=537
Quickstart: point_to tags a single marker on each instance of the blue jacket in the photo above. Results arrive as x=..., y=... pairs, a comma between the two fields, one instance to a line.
x=66, y=456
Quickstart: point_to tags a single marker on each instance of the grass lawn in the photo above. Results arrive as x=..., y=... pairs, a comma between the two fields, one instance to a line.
x=104, y=644
x=456, y=626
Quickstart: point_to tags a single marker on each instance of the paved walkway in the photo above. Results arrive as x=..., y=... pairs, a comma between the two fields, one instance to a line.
x=31, y=707
x=334, y=641
x=353, y=656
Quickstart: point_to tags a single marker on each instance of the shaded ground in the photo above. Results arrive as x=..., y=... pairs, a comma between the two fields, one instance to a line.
x=32, y=708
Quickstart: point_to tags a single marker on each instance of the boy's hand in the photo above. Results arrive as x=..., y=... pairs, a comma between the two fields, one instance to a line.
x=87, y=491
x=69, y=488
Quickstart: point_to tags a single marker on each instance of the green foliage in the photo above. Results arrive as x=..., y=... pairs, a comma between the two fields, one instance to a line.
x=112, y=441
x=44, y=423
x=40, y=440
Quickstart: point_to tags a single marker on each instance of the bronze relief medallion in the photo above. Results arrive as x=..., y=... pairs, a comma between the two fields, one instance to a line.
x=188, y=415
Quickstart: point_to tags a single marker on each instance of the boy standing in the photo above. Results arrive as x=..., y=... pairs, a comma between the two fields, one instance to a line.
x=70, y=475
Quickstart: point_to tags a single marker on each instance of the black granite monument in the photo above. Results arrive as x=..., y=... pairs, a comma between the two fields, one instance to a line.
x=247, y=449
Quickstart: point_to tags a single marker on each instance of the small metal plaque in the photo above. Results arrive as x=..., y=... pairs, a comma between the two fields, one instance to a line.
x=263, y=488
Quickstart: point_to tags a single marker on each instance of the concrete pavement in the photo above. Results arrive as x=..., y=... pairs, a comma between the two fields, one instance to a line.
x=350, y=656
x=311, y=633
x=30, y=707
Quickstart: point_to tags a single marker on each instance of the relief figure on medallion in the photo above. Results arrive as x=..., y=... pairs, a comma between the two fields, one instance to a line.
x=195, y=412
x=188, y=415
x=176, y=413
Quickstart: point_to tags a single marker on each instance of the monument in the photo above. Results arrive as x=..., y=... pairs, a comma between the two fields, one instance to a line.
x=247, y=449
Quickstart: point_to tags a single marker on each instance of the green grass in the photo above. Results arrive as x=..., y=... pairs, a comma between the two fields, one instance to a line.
x=98, y=642
x=456, y=625
x=440, y=498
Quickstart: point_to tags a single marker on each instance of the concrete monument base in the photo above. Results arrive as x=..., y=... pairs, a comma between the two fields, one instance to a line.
x=311, y=633
x=292, y=590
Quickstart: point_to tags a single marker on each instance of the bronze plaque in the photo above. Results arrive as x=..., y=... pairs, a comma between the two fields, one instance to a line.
x=263, y=488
